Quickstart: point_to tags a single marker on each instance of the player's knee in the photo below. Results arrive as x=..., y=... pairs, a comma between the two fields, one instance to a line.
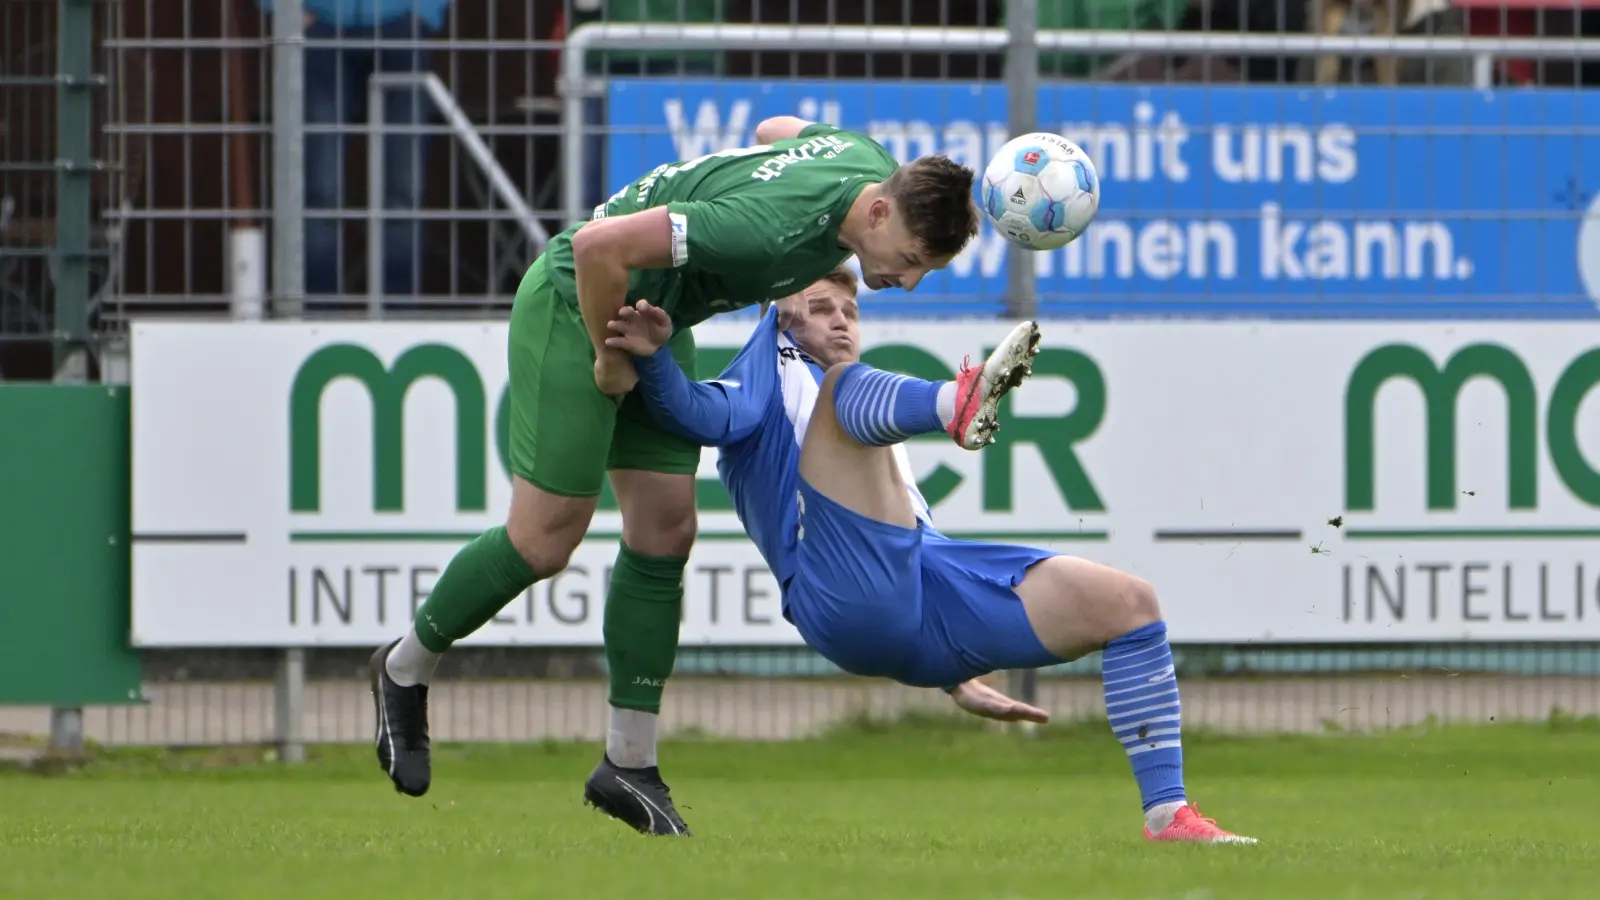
x=830, y=378
x=546, y=543
x=658, y=515
x=1136, y=604
x=546, y=528
x=545, y=552
x=667, y=533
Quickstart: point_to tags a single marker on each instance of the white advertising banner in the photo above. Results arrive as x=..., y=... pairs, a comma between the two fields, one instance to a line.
x=303, y=485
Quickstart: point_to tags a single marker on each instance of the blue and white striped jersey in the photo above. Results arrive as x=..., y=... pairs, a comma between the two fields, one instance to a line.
x=755, y=413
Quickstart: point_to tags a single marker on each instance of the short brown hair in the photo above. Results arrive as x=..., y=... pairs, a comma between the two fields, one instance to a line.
x=934, y=193
x=844, y=278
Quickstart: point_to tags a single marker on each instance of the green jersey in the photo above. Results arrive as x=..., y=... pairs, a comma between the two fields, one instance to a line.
x=748, y=225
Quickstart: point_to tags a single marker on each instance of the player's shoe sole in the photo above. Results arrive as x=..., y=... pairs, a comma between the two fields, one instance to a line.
x=635, y=797
x=978, y=393
x=402, y=728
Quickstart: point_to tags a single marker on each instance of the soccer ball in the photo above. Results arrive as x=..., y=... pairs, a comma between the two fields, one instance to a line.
x=1041, y=191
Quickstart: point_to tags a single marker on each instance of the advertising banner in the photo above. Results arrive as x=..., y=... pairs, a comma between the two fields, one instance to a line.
x=306, y=484
x=1280, y=202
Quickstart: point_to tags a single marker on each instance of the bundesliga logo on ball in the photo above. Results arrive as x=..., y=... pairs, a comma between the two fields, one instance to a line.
x=1041, y=191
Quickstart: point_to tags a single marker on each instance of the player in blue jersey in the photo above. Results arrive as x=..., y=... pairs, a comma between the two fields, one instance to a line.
x=811, y=451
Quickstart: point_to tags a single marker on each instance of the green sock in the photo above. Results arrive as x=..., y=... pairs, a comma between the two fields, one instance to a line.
x=644, y=606
x=486, y=575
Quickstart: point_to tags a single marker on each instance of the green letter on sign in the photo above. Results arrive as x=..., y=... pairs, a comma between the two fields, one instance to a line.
x=388, y=389
x=1575, y=384
x=1053, y=435
x=1441, y=388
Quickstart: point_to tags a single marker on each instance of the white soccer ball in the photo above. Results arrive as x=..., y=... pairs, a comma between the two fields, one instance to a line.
x=1041, y=191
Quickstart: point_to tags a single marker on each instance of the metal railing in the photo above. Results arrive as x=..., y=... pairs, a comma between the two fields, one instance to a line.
x=499, y=182
x=301, y=697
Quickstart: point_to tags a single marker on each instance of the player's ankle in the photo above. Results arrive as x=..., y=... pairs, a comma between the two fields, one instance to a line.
x=947, y=403
x=631, y=738
x=411, y=663
x=1158, y=817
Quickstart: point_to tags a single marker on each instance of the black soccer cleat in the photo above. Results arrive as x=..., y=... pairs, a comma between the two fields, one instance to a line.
x=402, y=732
x=637, y=797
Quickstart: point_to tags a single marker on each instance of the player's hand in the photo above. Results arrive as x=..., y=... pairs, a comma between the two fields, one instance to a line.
x=981, y=700
x=614, y=374
x=641, y=329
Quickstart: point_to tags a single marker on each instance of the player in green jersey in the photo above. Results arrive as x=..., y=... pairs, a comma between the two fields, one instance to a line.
x=697, y=238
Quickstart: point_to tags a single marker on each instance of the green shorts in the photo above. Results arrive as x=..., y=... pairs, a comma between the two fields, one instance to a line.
x=565, y=434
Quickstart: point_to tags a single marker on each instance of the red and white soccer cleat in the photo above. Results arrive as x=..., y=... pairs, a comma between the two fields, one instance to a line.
x=1188, y=826
x=978, y=391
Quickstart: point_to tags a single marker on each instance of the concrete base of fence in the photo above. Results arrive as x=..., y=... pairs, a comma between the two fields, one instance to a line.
x=198, y=713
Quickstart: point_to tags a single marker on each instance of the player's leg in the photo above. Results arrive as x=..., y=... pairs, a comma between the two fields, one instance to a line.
x=881, y=408
x=861, y=411
x=561, y=427
x=856, y=593
x=1076, y=607
x=856, y=596
x=652, y=473
x=862, y=477
x=856, y=599
x=1062, y=608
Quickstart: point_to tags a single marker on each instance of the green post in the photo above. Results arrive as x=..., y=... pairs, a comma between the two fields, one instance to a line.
x=75, y=167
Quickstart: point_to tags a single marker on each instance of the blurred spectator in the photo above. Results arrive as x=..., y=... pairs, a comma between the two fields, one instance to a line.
x=336, y=83
x=1435, y=18
x=1099, y=15
x=1257, y=16
x=1538, y=18
x=1270, y=16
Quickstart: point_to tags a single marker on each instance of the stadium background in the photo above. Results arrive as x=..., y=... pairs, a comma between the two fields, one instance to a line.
x=141, y=175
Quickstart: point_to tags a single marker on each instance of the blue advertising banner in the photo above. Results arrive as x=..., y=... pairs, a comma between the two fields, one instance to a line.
x=1276, y=202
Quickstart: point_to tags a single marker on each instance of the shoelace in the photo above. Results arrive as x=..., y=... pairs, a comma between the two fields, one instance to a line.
x=963, y=403
x=1201, y=819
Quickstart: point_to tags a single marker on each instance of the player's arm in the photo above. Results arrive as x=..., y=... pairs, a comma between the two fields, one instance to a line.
x=780, y=128
x=604, y=253
x=710, y=413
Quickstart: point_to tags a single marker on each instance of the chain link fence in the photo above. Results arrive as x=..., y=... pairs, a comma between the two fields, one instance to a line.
x=481, y=160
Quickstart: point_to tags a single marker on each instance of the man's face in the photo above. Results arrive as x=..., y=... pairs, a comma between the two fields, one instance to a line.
x=825, y=322
x=888, y=253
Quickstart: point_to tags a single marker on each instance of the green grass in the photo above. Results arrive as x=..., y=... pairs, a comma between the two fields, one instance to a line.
x=916, y=811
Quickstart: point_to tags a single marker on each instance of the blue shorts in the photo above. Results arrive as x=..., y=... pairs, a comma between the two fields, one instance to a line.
x=909, y=603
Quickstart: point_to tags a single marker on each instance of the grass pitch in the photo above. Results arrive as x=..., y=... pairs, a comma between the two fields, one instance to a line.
x=921, y=810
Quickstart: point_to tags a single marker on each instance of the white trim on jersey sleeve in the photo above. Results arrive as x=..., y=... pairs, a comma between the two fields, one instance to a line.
x=680, y=239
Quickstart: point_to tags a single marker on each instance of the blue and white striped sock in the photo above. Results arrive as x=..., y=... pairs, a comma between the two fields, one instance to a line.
x=1142, y=702
x=880, y=408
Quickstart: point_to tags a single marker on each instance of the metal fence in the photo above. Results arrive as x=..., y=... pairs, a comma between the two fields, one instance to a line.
x=62, y=188
x=515, y=116
x=238, y=697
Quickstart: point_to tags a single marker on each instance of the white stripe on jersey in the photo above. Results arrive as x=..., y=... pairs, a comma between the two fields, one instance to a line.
x=800, y=389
